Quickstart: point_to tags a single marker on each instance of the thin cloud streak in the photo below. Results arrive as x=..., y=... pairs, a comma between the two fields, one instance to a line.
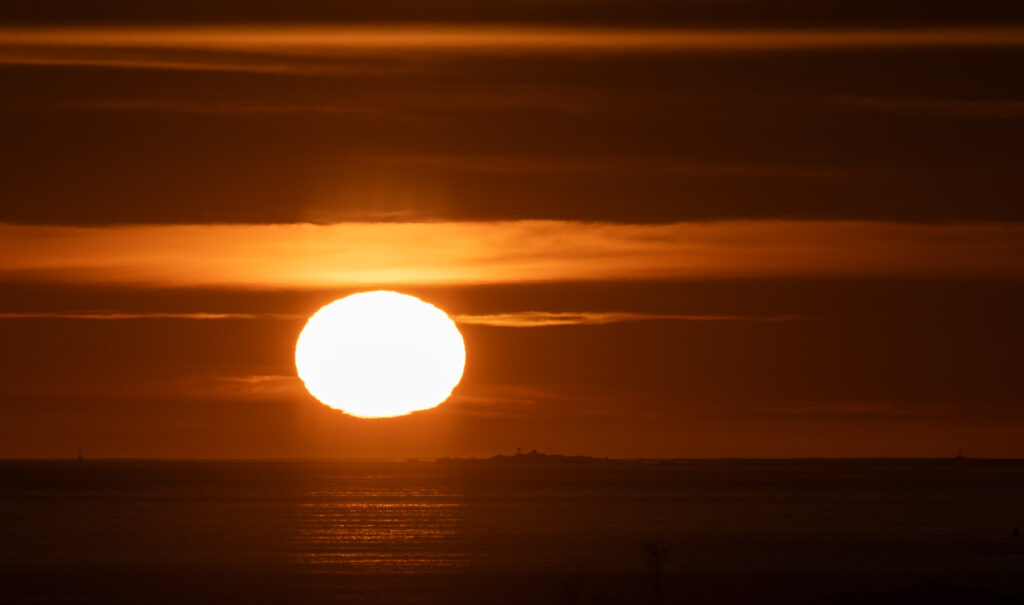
x=868, y=408
x=462, y=253
x=326, y=40
x=521, y=319
x=537, y=319
x=141, y=63
x=993, y=109
x=114, y=315
x=303, y=49
x=545, y=164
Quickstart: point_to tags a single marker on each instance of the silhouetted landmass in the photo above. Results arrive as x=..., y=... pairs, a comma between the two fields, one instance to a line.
x=535, y=457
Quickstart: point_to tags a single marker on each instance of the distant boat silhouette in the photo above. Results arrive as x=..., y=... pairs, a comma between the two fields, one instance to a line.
x=81, y=458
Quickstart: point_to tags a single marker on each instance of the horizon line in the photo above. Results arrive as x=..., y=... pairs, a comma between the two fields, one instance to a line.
x=486, y=459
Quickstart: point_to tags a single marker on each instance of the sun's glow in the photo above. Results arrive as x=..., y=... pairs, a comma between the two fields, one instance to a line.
x=380, y=354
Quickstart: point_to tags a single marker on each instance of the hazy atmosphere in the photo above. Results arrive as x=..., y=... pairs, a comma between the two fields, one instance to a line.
x=696, y=229
x=545, y=302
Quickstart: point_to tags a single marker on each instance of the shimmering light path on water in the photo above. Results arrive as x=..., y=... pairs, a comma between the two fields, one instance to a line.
x=451, y=531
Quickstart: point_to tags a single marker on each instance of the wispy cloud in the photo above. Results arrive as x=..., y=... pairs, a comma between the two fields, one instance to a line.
x=521, y=319
x=257, y=385
x=865, y=408
x=994, y=109
x=489, y=38
x=535, y=319
x=447, y=253
x=353, y=103
x=115, y=315
x=196, y=47
x=80, y=59
x=541, y=164
x=491, y=400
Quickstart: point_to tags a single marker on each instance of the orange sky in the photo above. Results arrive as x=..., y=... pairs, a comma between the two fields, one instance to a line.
x=318, y=39
x=282, y=256
x=664, y=229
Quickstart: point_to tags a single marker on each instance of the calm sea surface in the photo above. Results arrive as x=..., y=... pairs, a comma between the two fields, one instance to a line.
x=787, y=531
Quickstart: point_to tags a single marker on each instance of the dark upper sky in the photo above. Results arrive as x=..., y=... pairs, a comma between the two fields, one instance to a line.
x=771, y=228
x=686, y=13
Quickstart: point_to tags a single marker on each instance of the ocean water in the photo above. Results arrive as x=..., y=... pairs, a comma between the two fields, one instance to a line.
x=504, y=532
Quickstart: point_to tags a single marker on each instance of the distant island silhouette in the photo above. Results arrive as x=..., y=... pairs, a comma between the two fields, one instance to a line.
x=536, y=457
x=533, y=457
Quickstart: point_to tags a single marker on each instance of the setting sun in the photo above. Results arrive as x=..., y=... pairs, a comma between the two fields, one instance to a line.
x=380, y=354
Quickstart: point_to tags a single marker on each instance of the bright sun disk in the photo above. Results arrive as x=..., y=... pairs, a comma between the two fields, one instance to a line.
x=380, y=354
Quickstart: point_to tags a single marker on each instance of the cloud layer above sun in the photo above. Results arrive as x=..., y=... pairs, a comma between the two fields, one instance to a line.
x=359, y=254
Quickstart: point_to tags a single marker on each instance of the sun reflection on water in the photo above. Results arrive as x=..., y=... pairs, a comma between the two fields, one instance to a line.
x=379, y=529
